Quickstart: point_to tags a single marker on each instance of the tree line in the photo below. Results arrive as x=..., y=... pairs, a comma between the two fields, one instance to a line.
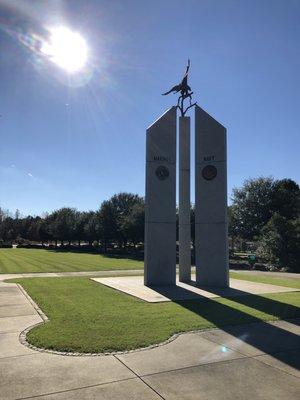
x=119, y=222
x=264, y=212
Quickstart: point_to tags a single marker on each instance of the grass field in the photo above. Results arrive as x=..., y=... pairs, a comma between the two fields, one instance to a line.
x=88, y=317
x=14, y=261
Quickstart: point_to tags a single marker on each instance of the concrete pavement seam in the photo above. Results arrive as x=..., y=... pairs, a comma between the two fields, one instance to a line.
x=227, y=347
x=202, y=365
x=78, y=388
x=248, y=356
x=196, y=365
x=13, y=316
x=18, y=355
x=225, y=361
x=139, y=377
x=273, y=366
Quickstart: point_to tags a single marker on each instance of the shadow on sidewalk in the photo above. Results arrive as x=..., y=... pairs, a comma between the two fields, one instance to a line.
x=267, y=338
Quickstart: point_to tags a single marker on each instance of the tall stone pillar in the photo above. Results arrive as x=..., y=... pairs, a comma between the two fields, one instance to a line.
x=184, y=201
x=210, y=201
x=160, y=208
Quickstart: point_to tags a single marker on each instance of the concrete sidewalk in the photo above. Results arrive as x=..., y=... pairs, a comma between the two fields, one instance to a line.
x=257, y=361
x=273, y=274
x=130, y=272
x=120, y=272
x=134, y=285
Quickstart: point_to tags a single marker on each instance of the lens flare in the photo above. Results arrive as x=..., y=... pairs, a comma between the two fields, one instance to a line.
x=66, y=48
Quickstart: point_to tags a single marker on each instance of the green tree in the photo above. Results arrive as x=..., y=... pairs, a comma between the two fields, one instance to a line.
x=252, y=207
x=121, y=205
x=81, y=220
x=91, y=226
x=62, y=224
x=108, y=223
x=279, y=243
x=42, y=231
x=4, y=214
x=286, y=198
x=134, y=223
x=31, y=227
x=7, y=229
x=233, y=228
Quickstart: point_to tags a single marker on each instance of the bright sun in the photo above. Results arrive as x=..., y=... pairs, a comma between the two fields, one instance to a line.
x=66, y=49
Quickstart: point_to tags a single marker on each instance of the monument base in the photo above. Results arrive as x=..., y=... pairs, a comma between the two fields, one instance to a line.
x=134, y=286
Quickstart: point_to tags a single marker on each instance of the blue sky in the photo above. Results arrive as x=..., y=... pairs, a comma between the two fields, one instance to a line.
x=75, y=142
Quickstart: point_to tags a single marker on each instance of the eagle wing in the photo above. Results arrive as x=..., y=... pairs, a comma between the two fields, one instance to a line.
x=175, y=89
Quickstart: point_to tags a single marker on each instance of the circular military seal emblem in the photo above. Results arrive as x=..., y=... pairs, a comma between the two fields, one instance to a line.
x=162, y=172
x=209, y=172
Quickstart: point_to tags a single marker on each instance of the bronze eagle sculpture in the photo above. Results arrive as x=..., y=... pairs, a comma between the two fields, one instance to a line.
x=185, y=91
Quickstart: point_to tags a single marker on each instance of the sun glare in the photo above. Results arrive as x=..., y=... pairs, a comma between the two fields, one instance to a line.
x=66, y=48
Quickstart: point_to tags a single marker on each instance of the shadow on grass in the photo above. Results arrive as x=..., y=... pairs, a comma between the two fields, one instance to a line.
x=265, y=337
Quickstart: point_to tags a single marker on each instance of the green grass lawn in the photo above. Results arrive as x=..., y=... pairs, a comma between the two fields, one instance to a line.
x=86, y=316
x=14, y=261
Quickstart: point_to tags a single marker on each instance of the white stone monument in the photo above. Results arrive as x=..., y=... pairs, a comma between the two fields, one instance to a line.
x=210, y=201
x=210, y=197
x=160, y=210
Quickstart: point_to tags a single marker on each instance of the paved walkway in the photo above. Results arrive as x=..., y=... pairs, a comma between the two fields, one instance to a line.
x=124, y=272
x=129, y=272
x=134, y=285
x=269, y=273
x=257, y=361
